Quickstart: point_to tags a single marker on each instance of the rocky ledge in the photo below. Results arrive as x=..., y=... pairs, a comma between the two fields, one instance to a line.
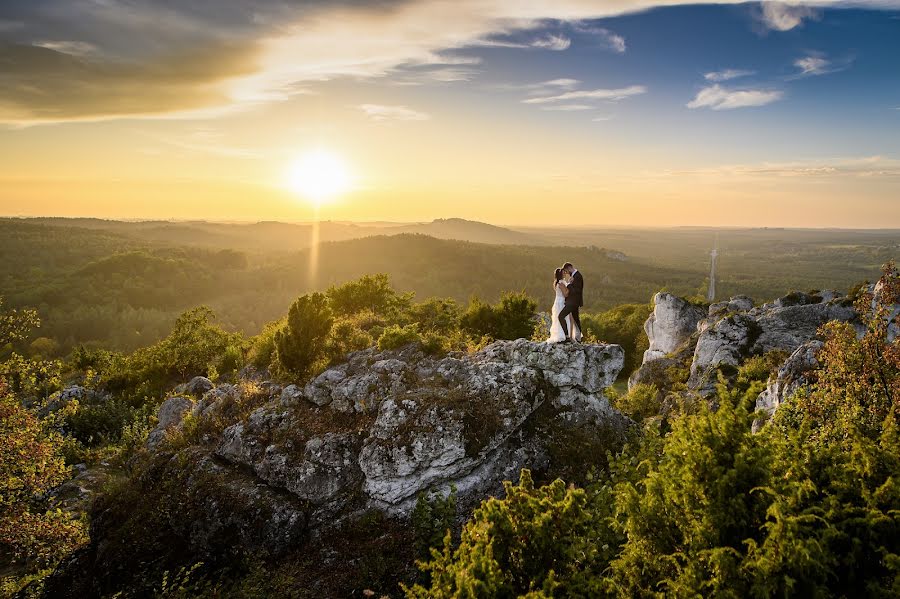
x=369, y=434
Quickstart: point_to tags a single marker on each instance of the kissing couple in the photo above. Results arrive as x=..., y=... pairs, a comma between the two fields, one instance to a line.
x=565, y=321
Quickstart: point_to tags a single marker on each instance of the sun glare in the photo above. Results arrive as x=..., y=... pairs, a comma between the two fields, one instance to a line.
x=319, y=176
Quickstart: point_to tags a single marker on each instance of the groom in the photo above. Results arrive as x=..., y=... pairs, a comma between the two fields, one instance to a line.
x=574, y=299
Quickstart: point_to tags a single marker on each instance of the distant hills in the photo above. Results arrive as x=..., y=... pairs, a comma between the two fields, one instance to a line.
x=279, y=236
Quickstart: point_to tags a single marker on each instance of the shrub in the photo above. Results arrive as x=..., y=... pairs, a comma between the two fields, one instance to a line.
x=395, y=337
x=511, y=318
x=300, y=347
x=31, y=464
x=640, y=402
x=622, y=325
x=262, y=347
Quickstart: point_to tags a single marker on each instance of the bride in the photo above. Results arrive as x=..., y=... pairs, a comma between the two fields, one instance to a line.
x=560, y=287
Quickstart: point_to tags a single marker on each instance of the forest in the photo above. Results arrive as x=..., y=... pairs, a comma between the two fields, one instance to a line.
x=119, y=285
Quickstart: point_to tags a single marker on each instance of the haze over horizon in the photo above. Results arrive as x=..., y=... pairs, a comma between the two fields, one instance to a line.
x=635, y=113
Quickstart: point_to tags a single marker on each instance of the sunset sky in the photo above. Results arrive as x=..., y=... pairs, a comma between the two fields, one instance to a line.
x=602, y=112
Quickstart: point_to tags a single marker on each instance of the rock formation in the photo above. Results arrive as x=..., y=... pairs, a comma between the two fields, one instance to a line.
x=732, y=331
x=728, y=338
x=369, y=434
x=670, y=325
x=797, y=371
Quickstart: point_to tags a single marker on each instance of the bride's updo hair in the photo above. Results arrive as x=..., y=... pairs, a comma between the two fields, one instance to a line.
x=557, y=276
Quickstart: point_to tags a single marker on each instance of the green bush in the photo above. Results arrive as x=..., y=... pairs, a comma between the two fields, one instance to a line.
x=395, y=337
x=262, y=346
x=640, y=402
x=622, y=325
x=511, y=318
x=300, y=347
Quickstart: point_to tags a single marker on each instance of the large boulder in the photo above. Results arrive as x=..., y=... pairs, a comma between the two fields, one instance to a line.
x=670, y=325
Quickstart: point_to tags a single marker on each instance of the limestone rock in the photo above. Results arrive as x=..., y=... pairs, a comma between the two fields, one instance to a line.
x=413, y=422
x=783, y=325
x=197, y=386
x=171, y=413
x=793, y=374
x=671, y=324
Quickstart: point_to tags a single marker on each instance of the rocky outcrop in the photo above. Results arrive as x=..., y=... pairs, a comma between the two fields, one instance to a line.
x=404, y=423
x=732, y=331
x=797, y=371
x=264, y=472
x=783, y=325
x=670, y=325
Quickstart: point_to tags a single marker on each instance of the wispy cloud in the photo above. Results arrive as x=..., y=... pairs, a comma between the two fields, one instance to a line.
x=727, y=74
x=68, y=47
x=380, y=112
x=779, y=16
x=866, y=166
x=567, y=107
x=552, y=42
x=610, y=39
x=817, y=64
x=717, y=97
x=610, y=95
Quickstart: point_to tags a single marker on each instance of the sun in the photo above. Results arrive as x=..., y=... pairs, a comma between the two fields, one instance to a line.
x=319, y=176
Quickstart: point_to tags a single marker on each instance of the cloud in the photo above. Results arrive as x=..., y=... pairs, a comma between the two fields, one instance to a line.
x=567, y=107
x=610, y=95
x=812, y=65
x=611, y=40
x=167, y=58
x=779, y=16
x=380, y=112
x=552, y=42
x=717, y=97
x=864, y=167
x=727, y=74
x=563, y=83
x=71, y=48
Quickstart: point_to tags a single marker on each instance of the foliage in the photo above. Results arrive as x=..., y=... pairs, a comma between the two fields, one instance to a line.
x=536, y=541
x=300, y=346
x=622, y=325
x=370, y=292
x=510, y=318
x=193, y=347
x=31, y=465
x=638, y=403
x=431, y=519
x=395, y=336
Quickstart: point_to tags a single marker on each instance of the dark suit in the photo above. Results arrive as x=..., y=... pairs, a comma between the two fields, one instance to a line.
x=574, y=301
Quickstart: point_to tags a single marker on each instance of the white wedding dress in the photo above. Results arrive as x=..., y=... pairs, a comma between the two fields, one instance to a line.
x=556, y=331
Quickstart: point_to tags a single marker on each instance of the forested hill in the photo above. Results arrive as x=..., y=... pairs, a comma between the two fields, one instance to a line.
x=100, y=283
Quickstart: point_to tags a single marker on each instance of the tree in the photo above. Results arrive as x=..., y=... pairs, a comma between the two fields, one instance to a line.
x=371, y=292
x=511, y=318
x=302, y=344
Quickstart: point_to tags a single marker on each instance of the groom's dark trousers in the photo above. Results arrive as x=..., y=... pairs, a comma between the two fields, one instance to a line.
x=574, y=301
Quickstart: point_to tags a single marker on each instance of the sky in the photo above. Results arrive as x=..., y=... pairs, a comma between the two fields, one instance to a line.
x=530, y=112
